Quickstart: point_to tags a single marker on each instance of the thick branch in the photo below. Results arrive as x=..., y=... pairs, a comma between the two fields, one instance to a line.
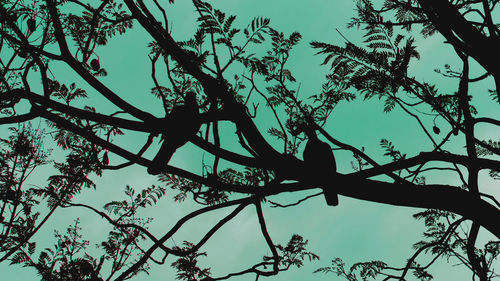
x=440, y=197
x=463, y=35
x=212, y=87
x=78, y=113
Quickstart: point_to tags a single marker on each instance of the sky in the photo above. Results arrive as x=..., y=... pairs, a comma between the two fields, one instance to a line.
x=354, y=231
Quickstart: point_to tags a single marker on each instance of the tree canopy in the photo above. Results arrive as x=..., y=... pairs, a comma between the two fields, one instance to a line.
x=222, y=130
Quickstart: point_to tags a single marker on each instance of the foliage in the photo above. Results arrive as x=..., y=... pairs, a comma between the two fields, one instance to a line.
x=295, y=252
x=249, y=151
x=358, y=271
x=187, y=266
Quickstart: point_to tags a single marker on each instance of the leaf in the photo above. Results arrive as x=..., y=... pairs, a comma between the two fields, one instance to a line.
x=391, y=150
x=389, y=104
x=20, y=257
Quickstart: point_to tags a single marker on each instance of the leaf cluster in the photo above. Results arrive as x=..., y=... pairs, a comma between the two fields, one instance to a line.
x=358, y=271
x=187, y=266
x=94, y=28
x=20, y=153
x=128, y=208
x=66, y=261
x=295, y=252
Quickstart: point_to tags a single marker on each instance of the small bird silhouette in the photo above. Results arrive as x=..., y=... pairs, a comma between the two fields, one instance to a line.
x=320, y=163
x=183, y=122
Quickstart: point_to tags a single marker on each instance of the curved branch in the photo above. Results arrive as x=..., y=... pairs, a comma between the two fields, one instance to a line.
x=18, y=118
x=254, y=268
x=487, y=120
x=77, y=66
x=229, y=155
x=455, y=27
x=440, y=197
x=269, y=241
x=79, y=113
x=424, y=157
x=446, y=236
x=243, y=202
x=212, y=87
x=404, y=194
x=122, y=225
x=275, y=205
x=90, y=137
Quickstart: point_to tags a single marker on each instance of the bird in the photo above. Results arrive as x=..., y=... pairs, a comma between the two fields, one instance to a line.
x=320, y=162
x=182, y=123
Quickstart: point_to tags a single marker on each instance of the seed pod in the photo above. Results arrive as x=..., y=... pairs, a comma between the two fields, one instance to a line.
x=95, y=64
x=436, y=130
x=105, y=158
x=455, y=131
x=31, y=24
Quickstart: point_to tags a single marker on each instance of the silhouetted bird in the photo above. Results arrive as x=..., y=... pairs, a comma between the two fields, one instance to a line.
x=320, y=163
x=183, y=122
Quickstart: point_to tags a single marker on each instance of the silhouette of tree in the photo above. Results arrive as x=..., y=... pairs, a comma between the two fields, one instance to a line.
x=37, y=37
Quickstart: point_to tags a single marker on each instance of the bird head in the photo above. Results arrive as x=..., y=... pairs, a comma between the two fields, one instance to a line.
x=305, y=128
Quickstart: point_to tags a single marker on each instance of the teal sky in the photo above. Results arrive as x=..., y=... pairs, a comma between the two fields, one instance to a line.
x=355, y=230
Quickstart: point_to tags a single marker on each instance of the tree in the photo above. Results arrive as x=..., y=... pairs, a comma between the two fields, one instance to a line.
x=232, y=71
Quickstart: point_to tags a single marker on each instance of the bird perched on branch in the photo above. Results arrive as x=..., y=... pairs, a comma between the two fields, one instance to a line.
x=182, y=123
x=320, y=163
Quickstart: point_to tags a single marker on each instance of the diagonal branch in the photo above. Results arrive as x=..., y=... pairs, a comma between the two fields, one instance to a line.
x=424, y=157
x=241, y=202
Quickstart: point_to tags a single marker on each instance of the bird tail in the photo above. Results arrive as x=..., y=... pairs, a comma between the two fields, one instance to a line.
x=161, y=159
x=332, y=198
